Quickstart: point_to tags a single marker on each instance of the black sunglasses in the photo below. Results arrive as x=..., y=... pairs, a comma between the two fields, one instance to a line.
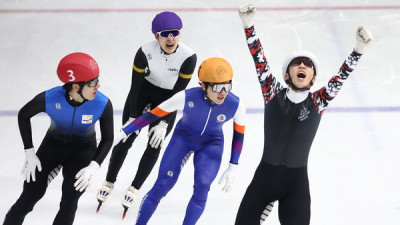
x=306, y=61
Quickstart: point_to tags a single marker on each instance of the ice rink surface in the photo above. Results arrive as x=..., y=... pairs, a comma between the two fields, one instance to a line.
x=354, y=164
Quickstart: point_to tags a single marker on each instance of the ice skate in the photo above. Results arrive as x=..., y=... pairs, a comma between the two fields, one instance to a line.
x=129, y=199
x=103, y=193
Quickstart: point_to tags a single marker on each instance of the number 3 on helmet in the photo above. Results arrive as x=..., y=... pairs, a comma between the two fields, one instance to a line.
x=77, y=67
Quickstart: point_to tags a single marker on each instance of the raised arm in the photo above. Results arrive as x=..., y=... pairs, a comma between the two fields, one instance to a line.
x=269, y=85
x=326, y=94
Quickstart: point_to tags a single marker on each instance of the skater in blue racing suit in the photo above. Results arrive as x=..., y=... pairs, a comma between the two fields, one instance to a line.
x=198, y=132
x=70, y=141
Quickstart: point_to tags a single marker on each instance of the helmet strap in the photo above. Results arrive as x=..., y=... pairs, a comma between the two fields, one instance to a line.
x=81, y=85
x=208, y=99
x=206, y=84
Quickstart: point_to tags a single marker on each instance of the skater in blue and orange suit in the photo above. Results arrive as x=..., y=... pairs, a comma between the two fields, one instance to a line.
x=198, y=132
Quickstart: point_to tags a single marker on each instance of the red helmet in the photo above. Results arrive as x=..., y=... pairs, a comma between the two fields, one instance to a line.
x=77, y=67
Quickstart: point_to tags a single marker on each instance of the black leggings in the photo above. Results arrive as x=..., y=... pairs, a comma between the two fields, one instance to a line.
x=270, y=183
x=147, y=161
x=73, y=157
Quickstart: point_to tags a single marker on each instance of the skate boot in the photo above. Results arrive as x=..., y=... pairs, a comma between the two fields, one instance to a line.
x=129, y=199
x=103, y=193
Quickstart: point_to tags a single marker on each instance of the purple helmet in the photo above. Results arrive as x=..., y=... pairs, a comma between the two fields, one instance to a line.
x=166, y=21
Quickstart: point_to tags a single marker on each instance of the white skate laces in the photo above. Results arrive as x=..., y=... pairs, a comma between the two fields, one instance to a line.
x=104, y=191
x=129, y=197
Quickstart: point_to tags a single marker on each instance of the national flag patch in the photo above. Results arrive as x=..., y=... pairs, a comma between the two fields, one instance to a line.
x=221, y=118
x=87, y=119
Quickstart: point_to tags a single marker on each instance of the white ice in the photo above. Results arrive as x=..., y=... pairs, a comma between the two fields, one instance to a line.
x=354, y=164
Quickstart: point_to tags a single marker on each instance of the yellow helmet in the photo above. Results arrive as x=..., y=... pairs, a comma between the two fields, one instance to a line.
x=215, y=70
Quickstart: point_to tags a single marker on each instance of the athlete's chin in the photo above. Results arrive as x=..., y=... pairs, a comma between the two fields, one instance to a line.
x=169, y=49
x=219, y=101
x=300, y=85
x=92, y=96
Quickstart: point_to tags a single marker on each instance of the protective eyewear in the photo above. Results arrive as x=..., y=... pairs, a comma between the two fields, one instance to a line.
x=93, y=82
x=218, y=87
x=306, y=61
x=166, y=33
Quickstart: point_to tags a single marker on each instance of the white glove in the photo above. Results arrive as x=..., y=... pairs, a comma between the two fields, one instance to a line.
x=85, y=175
x=159, y=131
x=31, y=162
x=229, y=177
x=121, y=136
x=246, y=13
x=364, y=38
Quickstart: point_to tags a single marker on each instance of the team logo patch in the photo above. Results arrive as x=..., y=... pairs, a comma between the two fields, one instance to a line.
x=221, y=118
x=303, y=114
x=149, y=56
x=190, y=104
x=87, y=119
x=58, y=106
x=93, y=64
x=221, y=70
x=170, y=173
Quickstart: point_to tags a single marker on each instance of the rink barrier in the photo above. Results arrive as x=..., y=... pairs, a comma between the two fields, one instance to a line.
x=384, y=109
x=223, y=9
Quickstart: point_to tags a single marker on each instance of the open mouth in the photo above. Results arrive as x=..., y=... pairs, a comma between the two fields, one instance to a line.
x=301, y=75
x=169, y=45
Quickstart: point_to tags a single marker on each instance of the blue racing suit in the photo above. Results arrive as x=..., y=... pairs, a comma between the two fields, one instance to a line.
x=198, y=132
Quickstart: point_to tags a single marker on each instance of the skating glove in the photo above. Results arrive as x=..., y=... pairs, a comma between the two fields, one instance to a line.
x=84, y=176
x=31, y=162
x=246, y=13
x=364, y=38
x=157, y=134
x=228, y=176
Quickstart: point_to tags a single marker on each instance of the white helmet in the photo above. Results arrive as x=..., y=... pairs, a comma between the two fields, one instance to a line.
x=299, y=53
